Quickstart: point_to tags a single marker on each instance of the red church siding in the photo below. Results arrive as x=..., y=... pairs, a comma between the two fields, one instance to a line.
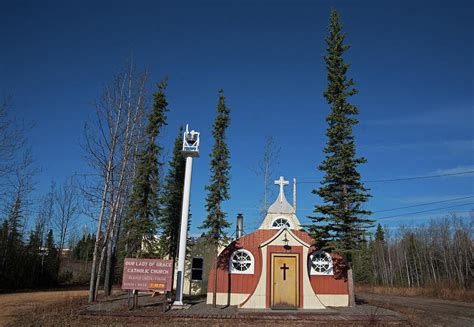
x=246, y=283
x=323, y=284
x=240, y=283
x=328, y=285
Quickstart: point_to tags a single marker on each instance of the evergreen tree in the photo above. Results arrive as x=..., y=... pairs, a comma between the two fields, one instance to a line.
x=379, y=234
x=33, y=262
x=171, y=199
x=141, y=224
x=83, y=249
x=218, y=190
x=341, y=224
x=50, y=265
x=362, y=262
x=11, y=262
x=3, y=243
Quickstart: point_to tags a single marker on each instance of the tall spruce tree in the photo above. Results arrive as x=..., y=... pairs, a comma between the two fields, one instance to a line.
x=342, y=222
x=11, y=262
x=380, y=234
x=218, y=190
x=171, y=200
x=50, y=264
x=141, y=221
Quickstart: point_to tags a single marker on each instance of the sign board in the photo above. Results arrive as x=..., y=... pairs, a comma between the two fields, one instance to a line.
x=147, y=274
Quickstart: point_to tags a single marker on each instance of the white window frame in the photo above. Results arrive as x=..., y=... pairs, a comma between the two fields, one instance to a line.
x=249, y=271
x=275, y=219
x=312, y=271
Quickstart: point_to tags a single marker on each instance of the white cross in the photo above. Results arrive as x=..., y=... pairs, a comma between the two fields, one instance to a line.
x=281, y=182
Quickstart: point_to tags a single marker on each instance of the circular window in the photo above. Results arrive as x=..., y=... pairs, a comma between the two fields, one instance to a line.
x=321, y=263
x=281, y=223
x=241, y=262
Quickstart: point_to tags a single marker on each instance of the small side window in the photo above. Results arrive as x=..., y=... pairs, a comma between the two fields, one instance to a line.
x=196, y=268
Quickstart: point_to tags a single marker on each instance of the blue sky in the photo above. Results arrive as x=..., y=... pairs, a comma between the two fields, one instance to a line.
x=411, y=61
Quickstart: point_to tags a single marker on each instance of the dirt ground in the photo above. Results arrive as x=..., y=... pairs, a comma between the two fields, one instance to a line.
x=422, y=311
x=63, y=308
x=15, y=304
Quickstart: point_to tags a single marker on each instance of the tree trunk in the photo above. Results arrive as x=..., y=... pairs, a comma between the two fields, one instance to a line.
x=92, y=285
x=108, y=268
x=214, y=289
x=350, y=283
x=99, y=271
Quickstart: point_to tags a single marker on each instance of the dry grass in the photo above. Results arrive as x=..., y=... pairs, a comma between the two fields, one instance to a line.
x=22, y=304
x=441, y=292
x=64, y=313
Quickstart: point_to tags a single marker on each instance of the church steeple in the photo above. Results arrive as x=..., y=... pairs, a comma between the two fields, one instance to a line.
x=281, y=213
x=281, y=205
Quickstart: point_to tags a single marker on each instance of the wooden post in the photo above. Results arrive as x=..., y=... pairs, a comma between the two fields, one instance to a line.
x=135, y=299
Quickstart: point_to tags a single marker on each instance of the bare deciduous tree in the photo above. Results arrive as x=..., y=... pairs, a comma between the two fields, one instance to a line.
x=66, y=203
x=12, y=140
x=112, y=141
x=266, y=169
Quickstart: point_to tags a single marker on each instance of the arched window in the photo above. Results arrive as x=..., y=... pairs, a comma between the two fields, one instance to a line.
x=280, y=223
x=241, y=262
x=320, y=263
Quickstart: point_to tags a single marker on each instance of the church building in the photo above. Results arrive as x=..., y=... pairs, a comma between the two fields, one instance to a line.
x=276, y=266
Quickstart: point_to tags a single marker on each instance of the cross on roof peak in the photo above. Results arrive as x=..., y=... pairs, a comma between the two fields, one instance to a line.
x=282, y=183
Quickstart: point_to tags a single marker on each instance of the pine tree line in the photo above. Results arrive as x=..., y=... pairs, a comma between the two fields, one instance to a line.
x=438, y=254
x=28, y=258
x=26, y=261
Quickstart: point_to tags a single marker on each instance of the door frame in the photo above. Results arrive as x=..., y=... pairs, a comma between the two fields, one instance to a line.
x=297, y=276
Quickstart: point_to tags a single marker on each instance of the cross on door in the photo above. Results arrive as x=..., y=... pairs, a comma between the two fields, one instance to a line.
x=284, y=268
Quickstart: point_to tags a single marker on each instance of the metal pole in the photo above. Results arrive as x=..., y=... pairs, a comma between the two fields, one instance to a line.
x=183, y=231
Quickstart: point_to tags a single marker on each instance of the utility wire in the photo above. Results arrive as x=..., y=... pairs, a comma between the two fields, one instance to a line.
x=419, y=177
x=412, y=206
x=424, y=204
x=402, y=179
x=417, y=212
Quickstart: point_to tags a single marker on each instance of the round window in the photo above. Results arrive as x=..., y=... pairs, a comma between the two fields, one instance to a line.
x=241, y=261
x=321, y=263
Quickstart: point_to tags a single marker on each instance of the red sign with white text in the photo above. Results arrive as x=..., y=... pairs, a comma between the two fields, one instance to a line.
x=147, y=274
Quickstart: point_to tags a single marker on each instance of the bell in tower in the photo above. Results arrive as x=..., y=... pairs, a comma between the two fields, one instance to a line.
x=190, y=143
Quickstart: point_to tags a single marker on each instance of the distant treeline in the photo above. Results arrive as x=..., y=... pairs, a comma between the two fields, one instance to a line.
x=439, y=254
x=26, y=264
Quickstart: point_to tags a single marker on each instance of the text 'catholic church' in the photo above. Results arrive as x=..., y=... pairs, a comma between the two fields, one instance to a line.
x=277, y=267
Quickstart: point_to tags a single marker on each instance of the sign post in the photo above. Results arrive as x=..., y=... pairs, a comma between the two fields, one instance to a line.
x=146, y=275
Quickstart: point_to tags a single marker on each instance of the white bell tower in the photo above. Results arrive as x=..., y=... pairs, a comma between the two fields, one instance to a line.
x=190, y=150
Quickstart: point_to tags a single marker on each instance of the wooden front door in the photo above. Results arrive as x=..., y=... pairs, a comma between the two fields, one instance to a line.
x=285, y=281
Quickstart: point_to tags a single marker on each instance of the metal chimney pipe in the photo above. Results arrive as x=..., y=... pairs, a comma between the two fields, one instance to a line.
x=240, y=226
